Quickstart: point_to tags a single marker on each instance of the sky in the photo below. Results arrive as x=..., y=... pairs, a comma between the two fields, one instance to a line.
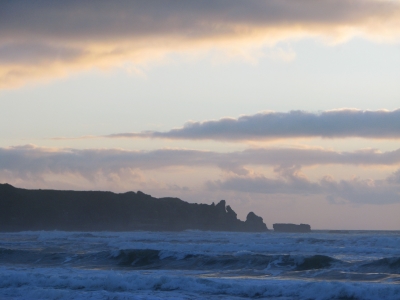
x=287, y=108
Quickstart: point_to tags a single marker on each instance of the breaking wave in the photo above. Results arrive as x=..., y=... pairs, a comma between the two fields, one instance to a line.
x=199, y=265
x=60, y=283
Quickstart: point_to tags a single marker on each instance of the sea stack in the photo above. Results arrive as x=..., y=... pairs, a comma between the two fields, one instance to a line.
x=287, y=227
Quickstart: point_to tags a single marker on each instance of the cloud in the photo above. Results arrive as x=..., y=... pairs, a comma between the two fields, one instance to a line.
x=104, y=168
x=37, y=160
x=40, y=39
x=292, y=182
x=341, y=123
x=395, y=177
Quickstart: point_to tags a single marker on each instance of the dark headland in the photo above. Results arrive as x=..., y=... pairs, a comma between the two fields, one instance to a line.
x=22, y=209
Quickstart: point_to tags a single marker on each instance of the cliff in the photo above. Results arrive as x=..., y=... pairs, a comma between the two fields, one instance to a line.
x=292, y=227
x=22, y=209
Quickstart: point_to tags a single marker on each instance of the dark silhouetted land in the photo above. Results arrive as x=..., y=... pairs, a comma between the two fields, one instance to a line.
x=22, y=209
x=292, y=227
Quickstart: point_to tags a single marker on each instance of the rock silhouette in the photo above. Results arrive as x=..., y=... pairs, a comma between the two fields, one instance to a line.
x=281, y=227
x=22, y=209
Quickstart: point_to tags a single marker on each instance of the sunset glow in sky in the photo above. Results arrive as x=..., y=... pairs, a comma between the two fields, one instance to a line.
x=288, y=108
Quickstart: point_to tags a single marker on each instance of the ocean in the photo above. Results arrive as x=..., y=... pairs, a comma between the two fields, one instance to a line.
x=200, y=265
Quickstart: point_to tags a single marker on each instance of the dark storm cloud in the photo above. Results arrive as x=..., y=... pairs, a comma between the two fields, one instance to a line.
x=342, y=123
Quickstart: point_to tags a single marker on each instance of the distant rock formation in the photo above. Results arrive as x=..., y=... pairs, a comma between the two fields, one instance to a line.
x=22, y=209
x=292, y=227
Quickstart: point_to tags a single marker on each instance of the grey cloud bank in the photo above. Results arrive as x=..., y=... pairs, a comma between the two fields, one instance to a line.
x=342, y=123
x=109, y=20
x=104, y=20
x=32, y=159
x=66, y=36
x=386, y=191
x=27, y=162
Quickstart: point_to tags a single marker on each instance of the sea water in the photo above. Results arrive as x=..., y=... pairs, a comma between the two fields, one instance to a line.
x=200, y=265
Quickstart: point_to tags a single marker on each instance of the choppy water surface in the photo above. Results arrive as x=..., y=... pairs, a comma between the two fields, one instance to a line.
x=200, y=265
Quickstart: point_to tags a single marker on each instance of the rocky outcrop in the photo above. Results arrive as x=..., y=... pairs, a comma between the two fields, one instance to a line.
x=22, y=209
x=292, y=228
x=255, y=223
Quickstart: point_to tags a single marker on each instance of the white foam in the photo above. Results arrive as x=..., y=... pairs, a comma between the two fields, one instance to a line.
x=64, y=283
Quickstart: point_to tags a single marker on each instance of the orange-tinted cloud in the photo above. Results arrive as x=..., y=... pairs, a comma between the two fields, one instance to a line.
x=44, y=39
